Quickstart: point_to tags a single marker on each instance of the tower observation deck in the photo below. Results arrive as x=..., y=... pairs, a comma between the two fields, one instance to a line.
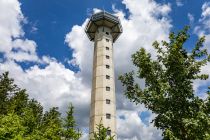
x=103, y=28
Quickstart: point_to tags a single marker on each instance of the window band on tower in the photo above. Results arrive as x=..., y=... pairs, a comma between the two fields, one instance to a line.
x=107, y=66
x=107, y=57
x=108, y=132
x=107, y=77
x=108, y=101
x=108, y=116
x=107, y=88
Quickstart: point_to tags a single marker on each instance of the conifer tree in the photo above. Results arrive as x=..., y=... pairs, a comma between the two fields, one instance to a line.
x=70, y=132
x=52, y=124
x=23, y=119
x=102, y=133
x=7, y=90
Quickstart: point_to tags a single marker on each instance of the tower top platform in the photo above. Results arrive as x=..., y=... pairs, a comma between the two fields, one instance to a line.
x=103, y=19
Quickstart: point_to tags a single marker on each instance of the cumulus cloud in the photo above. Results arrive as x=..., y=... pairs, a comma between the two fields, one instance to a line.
x=53, y=84
x=203, y=29
x=179, y=3
x=10, y=17
x=204, y=21
x=82, y=51
x=148, y=21
x=191, y=18
x=11, y=33
x=200, y=86
x=96, y=10
x=206, y=9
x=130, y=126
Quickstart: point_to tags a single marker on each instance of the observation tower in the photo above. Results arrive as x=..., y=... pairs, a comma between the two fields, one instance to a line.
x=103, y=29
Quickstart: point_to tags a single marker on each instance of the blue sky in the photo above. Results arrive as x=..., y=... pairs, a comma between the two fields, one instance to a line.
x=57, y=20
x=53, y=19
x=45, y=49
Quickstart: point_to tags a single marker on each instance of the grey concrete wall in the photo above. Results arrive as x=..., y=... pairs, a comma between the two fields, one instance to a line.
x=99, y=94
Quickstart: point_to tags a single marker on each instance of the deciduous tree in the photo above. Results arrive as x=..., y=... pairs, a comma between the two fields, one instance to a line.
x=168, y=92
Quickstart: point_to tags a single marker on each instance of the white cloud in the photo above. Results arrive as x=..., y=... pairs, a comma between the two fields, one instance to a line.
x=206, y=9
x=34, y=29
x=83, y=51
x=82, y=46
x=85, y=136
x=131, y=127
x=191, y=18
x=200, y=86
x=11, y=19
x=96, y=10
x=179, y=3
x=53, y=85
x=23, y=50
x=203, y=29
x=148, y=21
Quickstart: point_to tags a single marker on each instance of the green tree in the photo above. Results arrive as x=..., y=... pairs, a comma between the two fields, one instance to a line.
x=52, y=124
x=11, y=127
x=7, y=90
x=22, y=118
x=101, y=133
x=33, y=115
x=18, y=102
x=168, y=92
x=69, y=131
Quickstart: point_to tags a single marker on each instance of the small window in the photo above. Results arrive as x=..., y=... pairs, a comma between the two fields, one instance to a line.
x=107, y=101
x=107, y=77
x=107, y=88
x=107, y=33
x=108, y=132
x=107, y=66
x=107, y=48
x=107, y=40
x=107, y=57
x=108, y=116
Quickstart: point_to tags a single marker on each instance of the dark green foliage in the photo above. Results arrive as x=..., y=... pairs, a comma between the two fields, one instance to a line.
x=168, y=88
x=23, y=119
x=69, y=126
x=101, y=133
x=7, y=91
x=11, y=127
x=52, y=124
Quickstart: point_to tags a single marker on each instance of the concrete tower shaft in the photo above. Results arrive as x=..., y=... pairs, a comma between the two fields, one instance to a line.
x=103, y=28
x=103, y=107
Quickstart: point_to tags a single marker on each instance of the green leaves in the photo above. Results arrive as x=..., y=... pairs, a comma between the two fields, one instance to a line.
x=168, y=88
x=22, y=118
x=69, y=124
x=11, y=127
x=101, y=133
